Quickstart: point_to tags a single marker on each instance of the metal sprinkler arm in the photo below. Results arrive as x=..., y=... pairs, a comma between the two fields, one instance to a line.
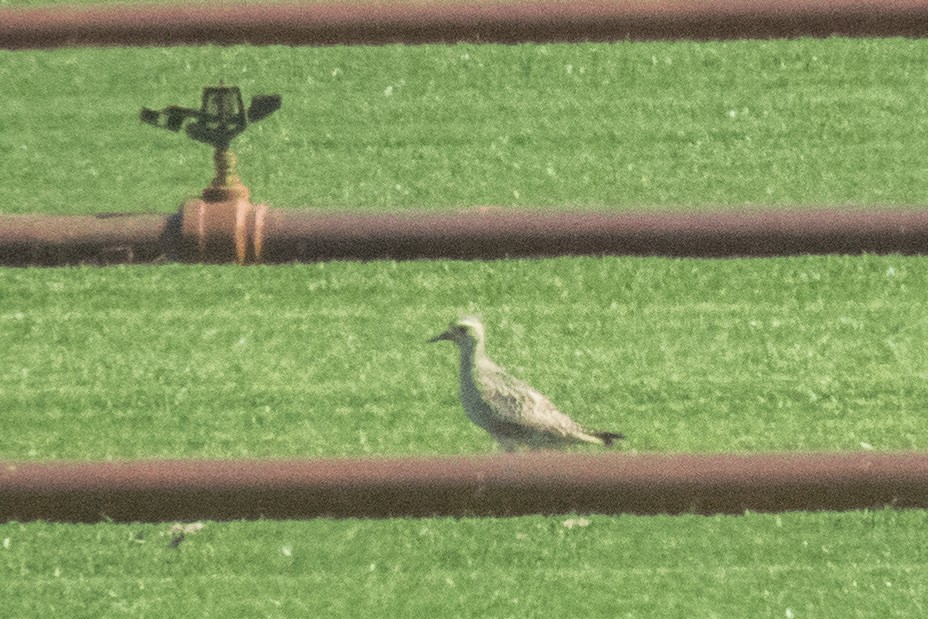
x=171, y=117
x=263, y=106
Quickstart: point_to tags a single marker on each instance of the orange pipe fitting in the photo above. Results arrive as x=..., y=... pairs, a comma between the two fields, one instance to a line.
x=222, y=225
x=227, y=231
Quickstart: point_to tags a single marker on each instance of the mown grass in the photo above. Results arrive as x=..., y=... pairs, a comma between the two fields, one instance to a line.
x=858, y=564
x=618, y=126
x=330, y=359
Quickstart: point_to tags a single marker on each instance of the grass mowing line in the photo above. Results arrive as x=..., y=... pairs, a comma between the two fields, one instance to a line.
x=619, y=126
x=560, y=572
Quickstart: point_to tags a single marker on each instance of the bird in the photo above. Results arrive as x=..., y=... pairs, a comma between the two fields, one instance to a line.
x=513, y=412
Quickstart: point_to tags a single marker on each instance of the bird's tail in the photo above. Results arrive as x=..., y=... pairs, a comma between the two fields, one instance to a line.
x=608, y=437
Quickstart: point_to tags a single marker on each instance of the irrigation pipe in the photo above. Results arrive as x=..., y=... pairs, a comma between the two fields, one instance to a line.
x=306, y=235
x=414, y=22
x=494, y=485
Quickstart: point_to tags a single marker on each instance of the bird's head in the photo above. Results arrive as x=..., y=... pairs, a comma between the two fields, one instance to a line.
x=466, y=332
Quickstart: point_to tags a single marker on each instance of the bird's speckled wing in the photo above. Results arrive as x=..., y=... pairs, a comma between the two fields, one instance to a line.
x=518, y=404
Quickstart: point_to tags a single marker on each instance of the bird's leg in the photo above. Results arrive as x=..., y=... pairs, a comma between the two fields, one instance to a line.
x=508, y=446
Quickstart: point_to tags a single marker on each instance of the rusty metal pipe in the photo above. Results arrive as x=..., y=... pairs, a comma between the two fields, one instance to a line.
x=56, y=240
x=303, y=235
x=508, y=22
x=276, y=235
x=493, y=485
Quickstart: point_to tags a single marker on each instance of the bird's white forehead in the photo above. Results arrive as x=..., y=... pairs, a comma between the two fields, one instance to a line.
x=469, y=322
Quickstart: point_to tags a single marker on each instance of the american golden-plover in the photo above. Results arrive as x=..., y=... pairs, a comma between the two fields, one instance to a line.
x=512, y=412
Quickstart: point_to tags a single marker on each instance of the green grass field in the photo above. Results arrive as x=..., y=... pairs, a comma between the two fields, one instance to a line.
x=330, y=359
x=622, y=126
x=793, y=565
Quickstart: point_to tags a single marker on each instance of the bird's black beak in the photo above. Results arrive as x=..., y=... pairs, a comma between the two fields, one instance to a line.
x=441, y=336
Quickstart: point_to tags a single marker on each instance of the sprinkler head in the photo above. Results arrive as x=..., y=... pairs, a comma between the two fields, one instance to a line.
x=221, y=117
